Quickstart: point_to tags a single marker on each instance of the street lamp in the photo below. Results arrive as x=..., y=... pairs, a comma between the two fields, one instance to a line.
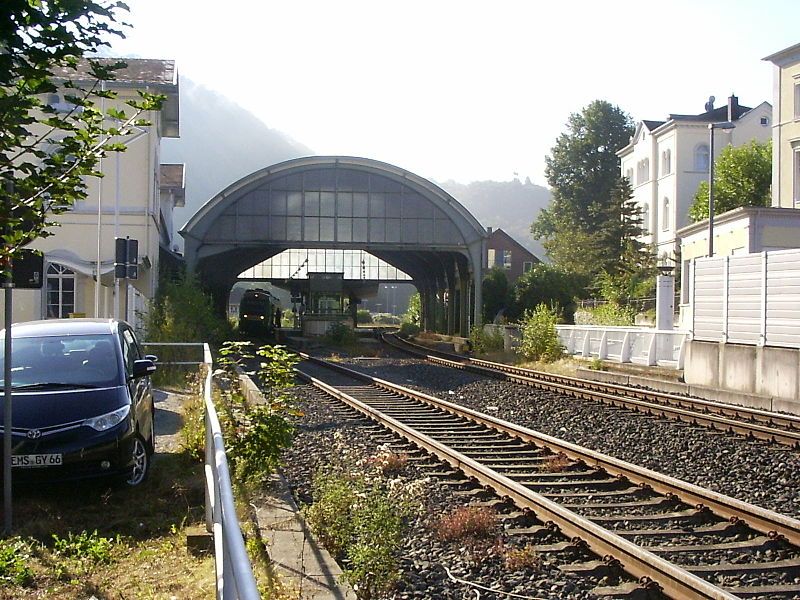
x=725, y=125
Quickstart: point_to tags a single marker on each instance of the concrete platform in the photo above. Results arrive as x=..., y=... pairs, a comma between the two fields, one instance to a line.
x=637, y=379
x=305, y=568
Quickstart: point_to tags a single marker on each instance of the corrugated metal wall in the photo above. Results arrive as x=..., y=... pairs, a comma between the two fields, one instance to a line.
x=749, y=299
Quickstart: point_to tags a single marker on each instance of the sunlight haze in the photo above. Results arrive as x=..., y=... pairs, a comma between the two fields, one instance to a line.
x=461, y=90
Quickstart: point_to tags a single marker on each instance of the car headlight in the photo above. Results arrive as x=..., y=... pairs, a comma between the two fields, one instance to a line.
x=108, y=420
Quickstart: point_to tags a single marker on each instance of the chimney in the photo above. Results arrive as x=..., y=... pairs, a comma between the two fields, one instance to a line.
x=733, y=108
x=489, y=230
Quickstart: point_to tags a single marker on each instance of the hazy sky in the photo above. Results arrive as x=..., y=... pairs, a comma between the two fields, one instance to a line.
x=462, y=90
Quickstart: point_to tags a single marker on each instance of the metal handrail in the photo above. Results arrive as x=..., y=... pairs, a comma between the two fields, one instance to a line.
x=234, y=571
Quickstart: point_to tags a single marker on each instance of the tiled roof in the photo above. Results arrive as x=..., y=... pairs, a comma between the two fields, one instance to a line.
x=713, y=116
x=144, y=71
x=653, y=124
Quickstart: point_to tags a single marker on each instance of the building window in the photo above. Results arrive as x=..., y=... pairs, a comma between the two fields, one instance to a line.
x=506, y=259
x=492, y=258
x=665, y=220
x=701, y=158
x=797, y=178
x=645, y=219
x=60, y=292
x=629, y=175
x=797, y=100
x=643, y=171
x=527, y=266
x=666, y=162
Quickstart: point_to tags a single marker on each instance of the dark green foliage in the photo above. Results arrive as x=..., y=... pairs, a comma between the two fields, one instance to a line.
x=742, y=177
x=628, y=266
x=339, y=334
x=408, y=329
x=549, y=285
x=184, y=312
x=582, y=171
x=483, y=342
x=363, y=316
x=46, y=154
x=496, y=293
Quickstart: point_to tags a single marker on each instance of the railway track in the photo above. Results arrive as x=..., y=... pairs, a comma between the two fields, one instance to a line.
x=749, y=422
x=684, y=540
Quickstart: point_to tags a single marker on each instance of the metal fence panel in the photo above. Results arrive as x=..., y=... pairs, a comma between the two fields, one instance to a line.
x=783, y=299
x=749, y=299
x=744, y=299
x=708, y=288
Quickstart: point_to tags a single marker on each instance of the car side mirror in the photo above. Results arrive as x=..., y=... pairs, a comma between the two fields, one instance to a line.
x=143, y=367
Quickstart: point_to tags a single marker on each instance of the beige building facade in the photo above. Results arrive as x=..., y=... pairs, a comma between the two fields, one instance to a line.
x=126, y=202
x=786, y=128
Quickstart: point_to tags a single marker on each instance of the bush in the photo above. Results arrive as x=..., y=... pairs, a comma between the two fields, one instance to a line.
x=360, y=517
x=408, y=329
x=14, y=556
x=483, y=341
x=363, y=316
x=609, y=313
x=257, y=435
x=386, y=319
x=339, y=334
x=467, y=523
x=539, y=335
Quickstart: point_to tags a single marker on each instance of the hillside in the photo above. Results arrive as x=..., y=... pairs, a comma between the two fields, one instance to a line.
x=220, y=143
x=508, y=205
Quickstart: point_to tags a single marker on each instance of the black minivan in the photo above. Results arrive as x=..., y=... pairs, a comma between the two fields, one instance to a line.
x=82, y=400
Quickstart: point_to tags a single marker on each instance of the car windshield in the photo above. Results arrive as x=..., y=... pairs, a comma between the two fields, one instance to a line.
x=62, y=362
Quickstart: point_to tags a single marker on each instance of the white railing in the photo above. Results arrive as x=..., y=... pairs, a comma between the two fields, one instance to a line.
x=640, y=345
x=235, y=580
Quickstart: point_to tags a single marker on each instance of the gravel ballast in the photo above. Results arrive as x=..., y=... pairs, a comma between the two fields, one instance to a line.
x=757, y=472
x=428, y=564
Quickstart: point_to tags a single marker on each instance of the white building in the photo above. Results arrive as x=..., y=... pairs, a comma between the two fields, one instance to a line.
x=129, y=201
x=665, y=162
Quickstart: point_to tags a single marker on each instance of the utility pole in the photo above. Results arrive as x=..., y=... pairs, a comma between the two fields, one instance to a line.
x=7, y=284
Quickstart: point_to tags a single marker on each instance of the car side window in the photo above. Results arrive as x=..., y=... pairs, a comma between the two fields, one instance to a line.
x=130, y=351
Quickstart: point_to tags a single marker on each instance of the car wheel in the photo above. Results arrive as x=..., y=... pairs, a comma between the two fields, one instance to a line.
x=141, y=462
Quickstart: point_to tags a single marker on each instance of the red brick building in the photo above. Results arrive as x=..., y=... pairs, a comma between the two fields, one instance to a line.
x=505, y=252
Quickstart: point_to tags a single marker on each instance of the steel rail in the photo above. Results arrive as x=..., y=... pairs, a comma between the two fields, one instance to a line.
x=760, y=519
x=637, y=562
x=674, y=406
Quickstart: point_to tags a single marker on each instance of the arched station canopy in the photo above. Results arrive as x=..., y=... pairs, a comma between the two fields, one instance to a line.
x=350, y=203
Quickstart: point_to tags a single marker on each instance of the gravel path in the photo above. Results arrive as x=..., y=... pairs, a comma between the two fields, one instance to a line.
x=756, y=472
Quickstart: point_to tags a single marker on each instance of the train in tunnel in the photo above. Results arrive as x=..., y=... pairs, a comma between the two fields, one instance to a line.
x=257, y=312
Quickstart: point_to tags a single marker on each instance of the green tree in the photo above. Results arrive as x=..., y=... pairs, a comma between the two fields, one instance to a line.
x=45, y=153
x=495, y=293
x=414, y=309
x=627, y=263
x=582, y=171
x=550, y=285
x=742, y=177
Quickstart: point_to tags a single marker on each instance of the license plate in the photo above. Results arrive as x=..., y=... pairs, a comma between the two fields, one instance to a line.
x=36, y=460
